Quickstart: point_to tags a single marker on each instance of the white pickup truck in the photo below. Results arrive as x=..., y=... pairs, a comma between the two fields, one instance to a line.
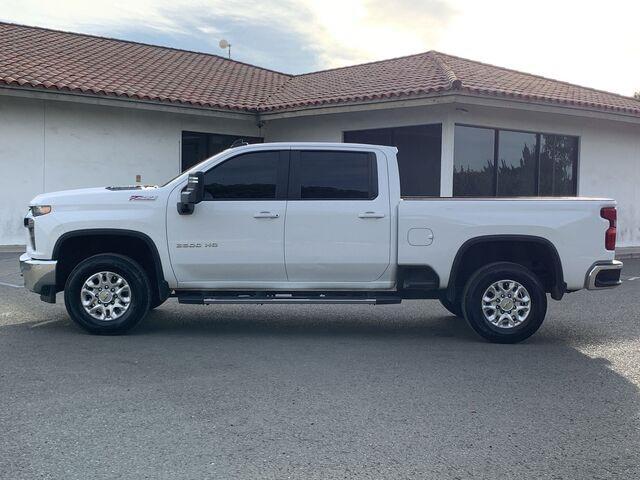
x=313, y=223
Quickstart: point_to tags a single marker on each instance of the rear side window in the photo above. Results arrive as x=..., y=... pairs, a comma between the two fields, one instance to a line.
x=250, y=176
x=333, y=175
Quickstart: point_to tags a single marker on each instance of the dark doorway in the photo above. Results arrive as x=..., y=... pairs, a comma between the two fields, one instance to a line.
x=197, y=146
x=419, y=155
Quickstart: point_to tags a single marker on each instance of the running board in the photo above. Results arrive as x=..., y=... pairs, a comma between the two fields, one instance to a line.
x=218, y=298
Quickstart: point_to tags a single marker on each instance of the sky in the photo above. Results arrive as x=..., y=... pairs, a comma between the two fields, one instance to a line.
x=595, y=44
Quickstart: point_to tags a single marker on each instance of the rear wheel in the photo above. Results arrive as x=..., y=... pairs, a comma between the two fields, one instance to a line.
x=107, y=294
x=504, y=302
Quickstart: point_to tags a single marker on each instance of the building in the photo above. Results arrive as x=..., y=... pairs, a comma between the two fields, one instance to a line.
x=79, y=110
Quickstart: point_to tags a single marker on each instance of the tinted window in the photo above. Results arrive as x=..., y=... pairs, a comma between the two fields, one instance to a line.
x=516, y=164
x=523, y=164
x=419, y=155
x=558, y=164
x=335, y=176
x=473, y=166
x=251, y=176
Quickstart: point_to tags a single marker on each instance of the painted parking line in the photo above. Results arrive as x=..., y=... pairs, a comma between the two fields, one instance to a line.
x=11, y=285
x=630, y=279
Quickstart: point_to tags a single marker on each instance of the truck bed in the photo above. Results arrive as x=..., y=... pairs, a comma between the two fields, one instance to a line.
x=433, y=230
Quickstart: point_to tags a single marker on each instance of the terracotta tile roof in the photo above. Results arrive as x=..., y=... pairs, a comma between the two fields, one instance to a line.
x=54, y=60
x=435, y=73
x=32, y=57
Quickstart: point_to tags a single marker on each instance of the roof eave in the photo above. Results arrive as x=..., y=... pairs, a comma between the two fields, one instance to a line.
x=455, y=96
x=125, y=101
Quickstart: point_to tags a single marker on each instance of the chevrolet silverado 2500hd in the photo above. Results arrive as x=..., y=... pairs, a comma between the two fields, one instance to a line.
x=313, y=223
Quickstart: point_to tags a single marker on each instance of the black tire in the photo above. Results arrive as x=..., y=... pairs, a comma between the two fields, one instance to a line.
x=130, y=271
x=485, y=277
x=453, y=307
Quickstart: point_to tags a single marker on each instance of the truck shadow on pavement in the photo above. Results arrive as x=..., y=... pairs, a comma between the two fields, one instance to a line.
x=311, y=393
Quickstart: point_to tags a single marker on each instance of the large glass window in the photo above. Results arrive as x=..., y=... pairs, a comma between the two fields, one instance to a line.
x=251, y=176
x=516, y=164
x=474, y=165
x=197, y=146
x=558, y=166
x=419, y=155
x=330, y=175
x=490, y=162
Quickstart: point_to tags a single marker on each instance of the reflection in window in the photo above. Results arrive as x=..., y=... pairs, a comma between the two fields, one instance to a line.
x=516, y=164
x=473, y=168
x=523, y=164
x=558, y=154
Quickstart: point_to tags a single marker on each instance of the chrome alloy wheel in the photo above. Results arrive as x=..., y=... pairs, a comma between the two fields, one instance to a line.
x=506, y=304
x=105, y=296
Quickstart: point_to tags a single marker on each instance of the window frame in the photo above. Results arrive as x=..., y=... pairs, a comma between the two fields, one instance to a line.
x=496, y=155
x=295, y=187
x=282, y=177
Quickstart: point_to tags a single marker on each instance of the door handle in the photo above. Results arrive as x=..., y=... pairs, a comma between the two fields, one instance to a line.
x=371, y=215
x=266, y=214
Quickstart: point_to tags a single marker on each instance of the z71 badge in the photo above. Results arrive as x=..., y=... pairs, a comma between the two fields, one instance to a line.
x=197, y=245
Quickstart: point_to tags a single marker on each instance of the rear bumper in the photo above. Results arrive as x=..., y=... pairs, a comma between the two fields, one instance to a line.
x=39, y=275
x=604, y=275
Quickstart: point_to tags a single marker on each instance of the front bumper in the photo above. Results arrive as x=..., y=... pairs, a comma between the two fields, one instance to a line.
x=39, y=275
x=604, y=275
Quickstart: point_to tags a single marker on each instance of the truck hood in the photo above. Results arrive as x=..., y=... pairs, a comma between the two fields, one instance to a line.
x=95, y=195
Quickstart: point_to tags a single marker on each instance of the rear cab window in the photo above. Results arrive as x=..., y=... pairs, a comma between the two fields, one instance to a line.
x=333, y=175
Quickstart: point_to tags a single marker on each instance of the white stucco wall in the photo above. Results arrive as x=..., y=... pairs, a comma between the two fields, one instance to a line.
x=49, y=145
x=609, y=158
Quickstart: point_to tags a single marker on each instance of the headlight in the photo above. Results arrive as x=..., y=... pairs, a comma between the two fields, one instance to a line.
x=37, y=210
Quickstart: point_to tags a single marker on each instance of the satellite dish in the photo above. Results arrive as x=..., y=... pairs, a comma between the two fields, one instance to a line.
x=224, y=44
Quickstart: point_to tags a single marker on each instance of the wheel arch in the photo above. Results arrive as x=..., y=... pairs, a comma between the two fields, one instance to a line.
x=555, y=285
x=149, y=257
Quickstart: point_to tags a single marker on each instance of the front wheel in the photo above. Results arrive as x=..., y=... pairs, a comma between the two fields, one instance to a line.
x=107, y=294
x=504, y=302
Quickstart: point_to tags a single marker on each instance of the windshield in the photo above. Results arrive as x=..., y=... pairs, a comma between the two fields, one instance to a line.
x=195, y=168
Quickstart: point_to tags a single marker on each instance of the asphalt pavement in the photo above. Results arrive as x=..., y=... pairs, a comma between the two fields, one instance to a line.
x=274, y=392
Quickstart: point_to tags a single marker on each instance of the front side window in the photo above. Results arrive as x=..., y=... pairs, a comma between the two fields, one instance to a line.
x=490, y=162
x=250, y=176
x=334, y=175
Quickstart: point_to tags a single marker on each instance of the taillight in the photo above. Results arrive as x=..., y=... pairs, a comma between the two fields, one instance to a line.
x=609, y=213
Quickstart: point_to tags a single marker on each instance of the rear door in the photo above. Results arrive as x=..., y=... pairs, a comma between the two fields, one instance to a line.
x=338, y=225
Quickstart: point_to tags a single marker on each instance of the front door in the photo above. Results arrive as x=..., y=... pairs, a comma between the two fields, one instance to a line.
x=235, y=237
x=338, y=226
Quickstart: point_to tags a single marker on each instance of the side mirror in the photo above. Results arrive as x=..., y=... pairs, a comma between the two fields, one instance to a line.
x=192, y=194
